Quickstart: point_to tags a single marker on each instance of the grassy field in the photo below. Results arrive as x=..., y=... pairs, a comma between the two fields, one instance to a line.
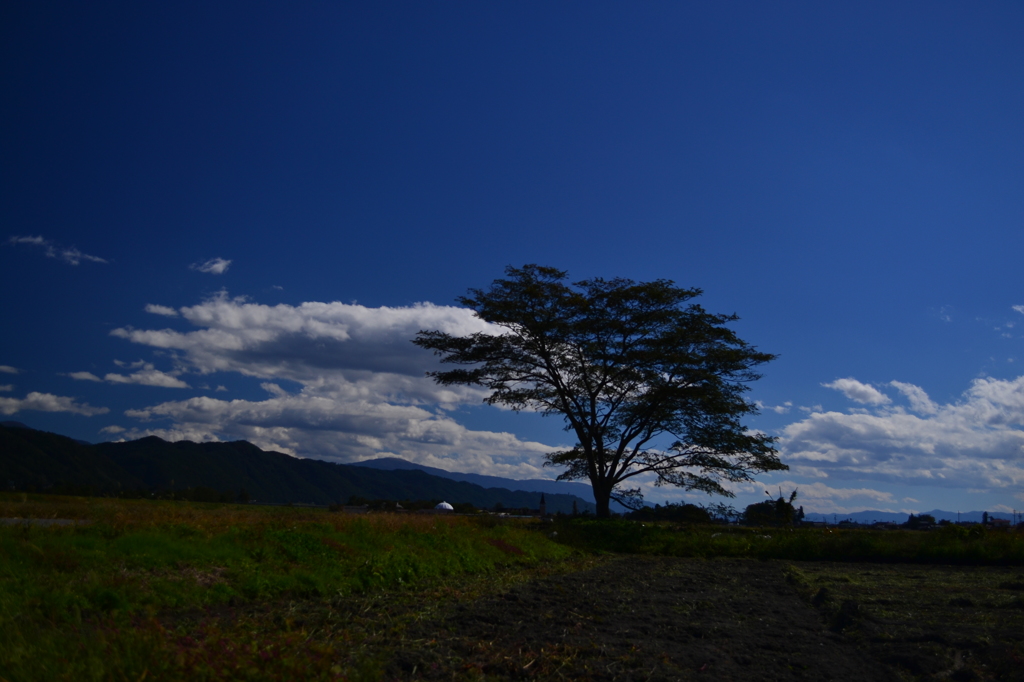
x=175, y=590
x=183, y=590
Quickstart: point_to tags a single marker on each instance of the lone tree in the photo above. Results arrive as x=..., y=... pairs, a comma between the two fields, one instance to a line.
x=628, y=365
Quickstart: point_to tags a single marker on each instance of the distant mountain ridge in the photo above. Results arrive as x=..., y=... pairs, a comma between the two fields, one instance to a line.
x=43, y=460
x=537, y=485
x=893, y=517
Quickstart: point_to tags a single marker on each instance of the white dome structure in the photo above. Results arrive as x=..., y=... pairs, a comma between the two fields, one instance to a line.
x=444, y=506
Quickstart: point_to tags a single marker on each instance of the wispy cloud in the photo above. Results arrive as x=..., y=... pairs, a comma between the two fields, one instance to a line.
x=777, y=409
x=161, y=310
x=862, y=393
x=214, y=266
x=146, y=375
x=84, y=376
x=6, y=387
x=47, y=402
x=68, y=254
x=7, y=369
x=919, y=400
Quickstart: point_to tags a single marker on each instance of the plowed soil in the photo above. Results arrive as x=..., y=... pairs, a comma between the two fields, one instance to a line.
x=638, y=618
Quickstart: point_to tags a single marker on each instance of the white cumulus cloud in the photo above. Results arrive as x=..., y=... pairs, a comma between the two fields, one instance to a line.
x=47, y=402
x=323, y=424
x=977, y=441
x=369, y=349
x=84, y=376
x=214, y=266
x=362, y=391
x=863, y=393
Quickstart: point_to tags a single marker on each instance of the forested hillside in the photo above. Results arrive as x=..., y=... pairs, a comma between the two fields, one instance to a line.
x=39, y=460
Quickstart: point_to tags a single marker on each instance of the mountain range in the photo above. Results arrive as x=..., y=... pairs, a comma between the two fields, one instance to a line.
x=898, y=517
x=33, y=459
x=537, y=485
x=40, y=460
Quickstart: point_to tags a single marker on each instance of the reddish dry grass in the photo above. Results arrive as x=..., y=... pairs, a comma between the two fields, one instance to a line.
x=208, y=518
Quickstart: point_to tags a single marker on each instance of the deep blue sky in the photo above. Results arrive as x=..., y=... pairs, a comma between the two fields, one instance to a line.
x=848, y=179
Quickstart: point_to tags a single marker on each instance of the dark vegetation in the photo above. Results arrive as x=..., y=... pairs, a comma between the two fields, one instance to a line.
x=680, y=513
x=779, y=512
x=222, y=472
x=955, y=545
x=626, y=365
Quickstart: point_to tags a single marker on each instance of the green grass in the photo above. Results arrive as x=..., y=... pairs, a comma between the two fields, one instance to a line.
x=104, y=600
x=949, y=545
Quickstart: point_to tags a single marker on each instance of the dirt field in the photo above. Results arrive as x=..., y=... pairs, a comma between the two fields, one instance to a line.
x=639, y=619
x=643, y=618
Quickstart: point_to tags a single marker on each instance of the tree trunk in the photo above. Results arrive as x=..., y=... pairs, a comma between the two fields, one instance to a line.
x=602, y=498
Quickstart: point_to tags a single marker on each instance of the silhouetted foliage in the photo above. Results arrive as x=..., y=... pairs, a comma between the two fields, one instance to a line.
x=778, y=512
x=685, y=513
x=625, y=364
x=920, y=521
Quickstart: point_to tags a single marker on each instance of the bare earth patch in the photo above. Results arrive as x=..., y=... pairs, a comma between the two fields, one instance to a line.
x=638, y=618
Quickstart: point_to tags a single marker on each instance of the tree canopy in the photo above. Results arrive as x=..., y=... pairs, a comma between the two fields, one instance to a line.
x=629, y=366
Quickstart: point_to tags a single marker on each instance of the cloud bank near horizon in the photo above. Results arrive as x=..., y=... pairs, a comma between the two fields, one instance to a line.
x=362, y=389
x=344, y=382
x=976, y=442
